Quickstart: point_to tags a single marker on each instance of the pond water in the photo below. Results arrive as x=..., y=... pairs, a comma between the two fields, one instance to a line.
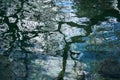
x=60, y=40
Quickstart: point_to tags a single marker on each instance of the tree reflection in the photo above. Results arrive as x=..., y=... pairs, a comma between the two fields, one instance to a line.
x=30, y=27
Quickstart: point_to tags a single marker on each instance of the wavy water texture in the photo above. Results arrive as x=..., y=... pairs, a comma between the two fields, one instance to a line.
x=59, y=40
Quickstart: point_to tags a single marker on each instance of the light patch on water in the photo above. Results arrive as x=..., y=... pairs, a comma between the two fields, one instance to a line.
x=70, y=32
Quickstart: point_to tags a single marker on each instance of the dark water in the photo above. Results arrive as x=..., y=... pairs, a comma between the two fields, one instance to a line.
x=59, y=40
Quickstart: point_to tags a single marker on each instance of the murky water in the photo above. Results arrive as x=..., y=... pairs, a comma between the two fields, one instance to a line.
x=60, y=40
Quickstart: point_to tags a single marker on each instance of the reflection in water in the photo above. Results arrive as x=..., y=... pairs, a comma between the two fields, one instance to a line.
x=60, y=39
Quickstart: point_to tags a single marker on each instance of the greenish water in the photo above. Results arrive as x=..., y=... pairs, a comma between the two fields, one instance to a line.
x=59, y=40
